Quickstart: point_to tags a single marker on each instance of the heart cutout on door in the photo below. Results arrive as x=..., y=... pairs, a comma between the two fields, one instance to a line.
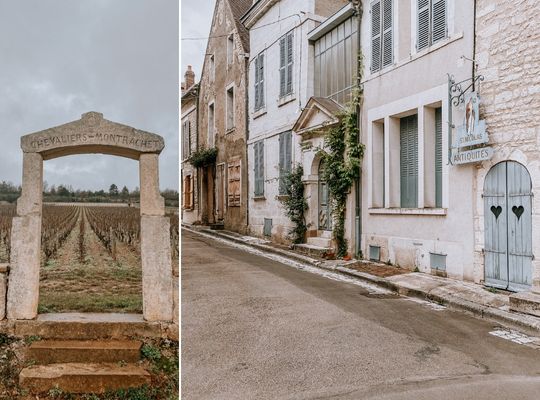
x=518, y=211
x=496, y=211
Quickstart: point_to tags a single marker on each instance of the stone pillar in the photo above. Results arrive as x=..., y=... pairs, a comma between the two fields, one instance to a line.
x=23, y=288
x=3, y=289
x=155, y=245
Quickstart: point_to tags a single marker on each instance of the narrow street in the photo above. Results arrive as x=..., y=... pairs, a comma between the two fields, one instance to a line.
x=254, y=328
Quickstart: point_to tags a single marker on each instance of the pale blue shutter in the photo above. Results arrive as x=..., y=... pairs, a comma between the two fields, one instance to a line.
x=422, y=39
x=409, y=161
x=289, y=63
x=261, y=81
x=438, y=157
x=257, y=83
x=376, y=36
x=282, y=158
x=387, y=40
x=438, y=20
x=282, y=65
x=258, y=158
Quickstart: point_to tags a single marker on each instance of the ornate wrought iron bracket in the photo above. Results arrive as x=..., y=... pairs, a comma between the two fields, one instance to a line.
x=456, y=96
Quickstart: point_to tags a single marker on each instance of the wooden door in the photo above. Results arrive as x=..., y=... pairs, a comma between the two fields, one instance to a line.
x=325, y=203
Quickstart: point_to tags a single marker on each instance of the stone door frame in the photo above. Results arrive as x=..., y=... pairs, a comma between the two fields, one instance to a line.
x=90, y=135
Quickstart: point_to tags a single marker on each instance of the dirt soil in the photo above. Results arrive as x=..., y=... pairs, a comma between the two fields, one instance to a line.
x=379, y=270
x=97, y=284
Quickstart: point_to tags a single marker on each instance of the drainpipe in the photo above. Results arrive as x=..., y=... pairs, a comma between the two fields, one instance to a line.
x=358, y=192
x=246, y=166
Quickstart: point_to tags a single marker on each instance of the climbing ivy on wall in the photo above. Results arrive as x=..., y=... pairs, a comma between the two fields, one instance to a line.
x=342, y=156
x=294, y=203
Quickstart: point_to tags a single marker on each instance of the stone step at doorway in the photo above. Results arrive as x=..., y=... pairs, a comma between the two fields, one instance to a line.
x=313, y=250
x=83, y=377
x=320, y=242
x=83, y=366
x=85, y=351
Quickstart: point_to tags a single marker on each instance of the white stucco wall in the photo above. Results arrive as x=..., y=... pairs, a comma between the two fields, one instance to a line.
x=416, y=82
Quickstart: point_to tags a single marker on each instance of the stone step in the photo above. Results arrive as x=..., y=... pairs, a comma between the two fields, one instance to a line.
x=312, y=250
x=320, y=242
x=218, y=226
x=82, y=378
x=88, y=326
x=82, y=351
x=325, y=234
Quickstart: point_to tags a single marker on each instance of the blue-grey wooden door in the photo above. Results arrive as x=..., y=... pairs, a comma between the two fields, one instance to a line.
x=508, y=227
x=325, y=206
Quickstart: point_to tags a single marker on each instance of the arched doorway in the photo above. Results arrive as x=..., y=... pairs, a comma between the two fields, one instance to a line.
x=508, y=227
x=89, y=135
x=325, y=202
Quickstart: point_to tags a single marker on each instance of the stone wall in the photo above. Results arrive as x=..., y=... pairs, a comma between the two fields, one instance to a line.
x=189, y=113
x=508, y=55
x=231, y=143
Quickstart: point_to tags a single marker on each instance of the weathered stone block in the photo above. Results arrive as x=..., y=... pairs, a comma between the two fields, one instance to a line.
x=176, y=294
x=23, y=289
x=32, y=185
x=156, y=268
x=526, y=302
x=151, y=201
x=3, y=289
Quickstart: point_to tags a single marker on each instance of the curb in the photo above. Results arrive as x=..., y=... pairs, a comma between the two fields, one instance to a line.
x=453, y=302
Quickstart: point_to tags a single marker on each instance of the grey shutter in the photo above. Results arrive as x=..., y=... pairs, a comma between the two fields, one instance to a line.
x=259, y=168
x=387, y=41
x=438, y=157
x=289, y=62
x=257, y=83
x=376, y=36
x=438, y=20
x=282, y=144
x=261, y=81
x=422, y=39
x=282, y=65
x=189, y=138
x=409, y=161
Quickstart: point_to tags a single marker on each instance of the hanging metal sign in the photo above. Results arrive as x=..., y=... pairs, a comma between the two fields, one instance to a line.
x=471, y=156
x=473, y=130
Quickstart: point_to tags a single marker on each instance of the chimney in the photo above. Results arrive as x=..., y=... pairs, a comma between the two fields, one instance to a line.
x=189, y=78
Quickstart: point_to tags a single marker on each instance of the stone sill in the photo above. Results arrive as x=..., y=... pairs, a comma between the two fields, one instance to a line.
x=286, y=99
x=408, y=211
x=258, y=113
x=259, y=198
x=188, y=209
x=230, y=130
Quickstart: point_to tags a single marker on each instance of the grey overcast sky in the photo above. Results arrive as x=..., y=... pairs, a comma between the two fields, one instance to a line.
x=195, y=23
x=62, y=58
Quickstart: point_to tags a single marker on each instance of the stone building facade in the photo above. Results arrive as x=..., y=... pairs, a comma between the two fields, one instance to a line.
x=222, y=120
x=188, y=131
x=281, y=82
x=508, y=56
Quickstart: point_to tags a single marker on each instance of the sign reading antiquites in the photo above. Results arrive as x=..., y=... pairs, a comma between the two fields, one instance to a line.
x=470, y=156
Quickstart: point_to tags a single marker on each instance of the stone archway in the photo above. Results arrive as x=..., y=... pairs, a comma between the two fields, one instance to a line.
x=89, y=135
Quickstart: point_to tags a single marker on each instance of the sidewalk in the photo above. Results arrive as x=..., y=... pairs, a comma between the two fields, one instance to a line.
x=456, y=294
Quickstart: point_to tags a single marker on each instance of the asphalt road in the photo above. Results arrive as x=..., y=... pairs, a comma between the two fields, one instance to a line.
x=253, y=328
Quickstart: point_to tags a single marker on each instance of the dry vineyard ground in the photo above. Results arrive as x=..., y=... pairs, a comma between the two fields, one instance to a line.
x=90, y=257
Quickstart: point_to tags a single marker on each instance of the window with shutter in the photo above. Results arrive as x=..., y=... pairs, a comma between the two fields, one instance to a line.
x=285, y=159
x=376, y=36
x=409, y=161
x=286, y=64
x=438, y=157
x=230, y=108
x=188, y=192
x=432, y=25
x=259, y=82
x=233, y=186
x=188, y=139
x=382, y=39
x=258, y=158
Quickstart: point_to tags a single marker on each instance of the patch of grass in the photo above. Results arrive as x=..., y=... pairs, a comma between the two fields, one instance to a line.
x=31, y=339
x=90, y=302
x=150, y=352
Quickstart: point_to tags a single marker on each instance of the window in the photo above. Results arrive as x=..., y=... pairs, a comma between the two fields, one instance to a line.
x=259, y=82
x=438, y=157
x=381, y=34
x=186, y=139
x=432, y=25
x=285, y=64
x=187, y=198
x=230, y=108
x=233, y=187
x=230, y=48
x=211, y=123
x=335, y=62
x=285, y=159
x=258, y=157
x=408, y=165
x=212, y=69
